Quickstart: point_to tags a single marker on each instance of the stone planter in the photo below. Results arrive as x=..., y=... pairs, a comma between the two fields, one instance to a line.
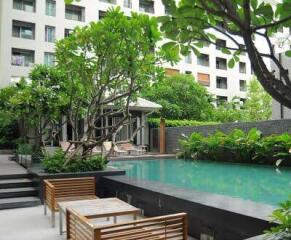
x=25, y=160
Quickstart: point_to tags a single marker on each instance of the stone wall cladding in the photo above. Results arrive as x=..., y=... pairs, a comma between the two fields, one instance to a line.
x=173, y=134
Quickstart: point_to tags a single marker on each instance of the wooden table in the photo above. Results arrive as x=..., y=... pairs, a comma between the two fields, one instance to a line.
x=97, y=208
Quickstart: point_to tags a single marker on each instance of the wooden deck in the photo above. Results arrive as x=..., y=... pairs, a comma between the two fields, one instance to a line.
x=8, y=167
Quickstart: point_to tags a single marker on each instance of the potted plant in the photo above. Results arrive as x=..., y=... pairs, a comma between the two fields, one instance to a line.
x=24, y=152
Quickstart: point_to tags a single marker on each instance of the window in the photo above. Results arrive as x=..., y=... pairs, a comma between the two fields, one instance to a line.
x=49, y=59
x=220, y=43
x=242, y=67
x=50, y=34
x=220, y=100
x=109, y=1
x=221, y=82
x=68, y=32
x=146, y=6
x=22, y=57
x=23, y=29
x=243, y=85
x=167, y=10
x=188, y=59
x=102, y=14
x=24, y=5
x=75, y=13
x=203, y=79
x=188, y=72
x=50, y=8
x=127, y=3
x=221, y=63
x=171, y=71
x=243, y=53
x=203, y=60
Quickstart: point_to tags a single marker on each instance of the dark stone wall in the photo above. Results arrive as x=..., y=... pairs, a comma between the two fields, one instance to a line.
x=224, y=225
x=173, y=134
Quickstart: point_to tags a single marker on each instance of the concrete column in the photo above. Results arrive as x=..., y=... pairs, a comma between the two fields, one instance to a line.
x=138, y=138
x=162, y=136
x=64, y=129
x=143, y=129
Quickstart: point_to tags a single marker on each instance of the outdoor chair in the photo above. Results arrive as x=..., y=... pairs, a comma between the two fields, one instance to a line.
x=164, y=227
x=67, y=189
x=116, y=151
x=67, y=147
x=131, y=149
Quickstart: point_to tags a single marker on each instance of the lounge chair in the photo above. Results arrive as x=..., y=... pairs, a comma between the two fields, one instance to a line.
x=164, y=227
x=131, y=149
x=107, y=147
x=67, y=189
x=67, y=147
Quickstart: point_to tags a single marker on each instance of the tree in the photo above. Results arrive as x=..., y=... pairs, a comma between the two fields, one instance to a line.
x=181, y=98
x=106, y=63
x=38, y=104
x=193, y=22
x=258, y=105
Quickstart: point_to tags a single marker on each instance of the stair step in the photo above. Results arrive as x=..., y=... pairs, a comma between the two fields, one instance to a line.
x=14, y=176
x=15, y=183
x=19, y=202
x=18, y=192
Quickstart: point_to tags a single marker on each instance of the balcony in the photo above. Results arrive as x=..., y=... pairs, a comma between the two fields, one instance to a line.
x=24, y=30
x=203, y=60
x=146, y=6
x=221, y=63
x=108, y=1
x=221, y=82
x=22, y=57
x=75, y=13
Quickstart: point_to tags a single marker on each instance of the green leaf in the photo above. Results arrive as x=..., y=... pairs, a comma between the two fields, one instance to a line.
x=231, y=63
x=254, y=4
x=225, y=51
x=288, y=53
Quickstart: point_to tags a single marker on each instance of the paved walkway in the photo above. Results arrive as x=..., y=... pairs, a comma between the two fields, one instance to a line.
x=10, y=167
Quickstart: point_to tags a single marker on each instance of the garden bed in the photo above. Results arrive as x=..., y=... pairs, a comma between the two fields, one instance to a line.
x=38, y=175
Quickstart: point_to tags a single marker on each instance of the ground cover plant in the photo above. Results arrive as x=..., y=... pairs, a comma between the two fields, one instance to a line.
x=238, y=146
x=56, y=163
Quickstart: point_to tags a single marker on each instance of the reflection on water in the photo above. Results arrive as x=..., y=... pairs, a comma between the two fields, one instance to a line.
x=258, y=183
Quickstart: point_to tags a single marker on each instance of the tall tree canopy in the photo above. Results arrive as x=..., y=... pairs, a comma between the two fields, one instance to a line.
x=190, y=23
x=107, y=63
x=181, y=98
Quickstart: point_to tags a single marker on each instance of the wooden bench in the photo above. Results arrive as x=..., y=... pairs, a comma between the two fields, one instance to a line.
x=67, y=189
x=157, y=228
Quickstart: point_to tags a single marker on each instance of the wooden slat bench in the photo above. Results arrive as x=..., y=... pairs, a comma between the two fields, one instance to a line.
x=172, y=227
x=67, y=189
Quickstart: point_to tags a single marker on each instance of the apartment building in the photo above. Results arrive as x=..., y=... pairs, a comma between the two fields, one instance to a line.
x=29, y=28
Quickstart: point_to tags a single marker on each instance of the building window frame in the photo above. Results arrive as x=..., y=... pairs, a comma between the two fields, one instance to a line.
x=20, y=30
x=22, y=57
x=25, y=5
x=50, y=34
x=50, y=8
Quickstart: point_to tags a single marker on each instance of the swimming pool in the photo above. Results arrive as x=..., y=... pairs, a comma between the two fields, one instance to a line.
x=262, y=184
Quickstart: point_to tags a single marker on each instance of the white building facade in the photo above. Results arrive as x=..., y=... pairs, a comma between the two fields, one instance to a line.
x=29, y=28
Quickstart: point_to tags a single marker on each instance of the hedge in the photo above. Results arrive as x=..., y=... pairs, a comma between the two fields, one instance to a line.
x=155, y=123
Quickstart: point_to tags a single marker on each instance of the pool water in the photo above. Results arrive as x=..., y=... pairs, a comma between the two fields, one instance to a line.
x=264, y=184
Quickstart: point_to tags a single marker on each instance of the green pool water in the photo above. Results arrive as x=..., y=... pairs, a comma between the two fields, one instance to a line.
x=252, y=182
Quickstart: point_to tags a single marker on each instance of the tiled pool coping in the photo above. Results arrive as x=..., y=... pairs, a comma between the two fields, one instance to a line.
x=229, y=218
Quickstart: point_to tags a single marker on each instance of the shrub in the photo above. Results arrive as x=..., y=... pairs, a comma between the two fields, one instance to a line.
x=55, y=163
x=238, y=146
x=24, y=149
x=155, y=123
x=282, y=216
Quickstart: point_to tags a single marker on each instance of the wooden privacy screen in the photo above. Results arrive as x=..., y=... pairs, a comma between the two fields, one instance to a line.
x=164, y=227
x=204, y=79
